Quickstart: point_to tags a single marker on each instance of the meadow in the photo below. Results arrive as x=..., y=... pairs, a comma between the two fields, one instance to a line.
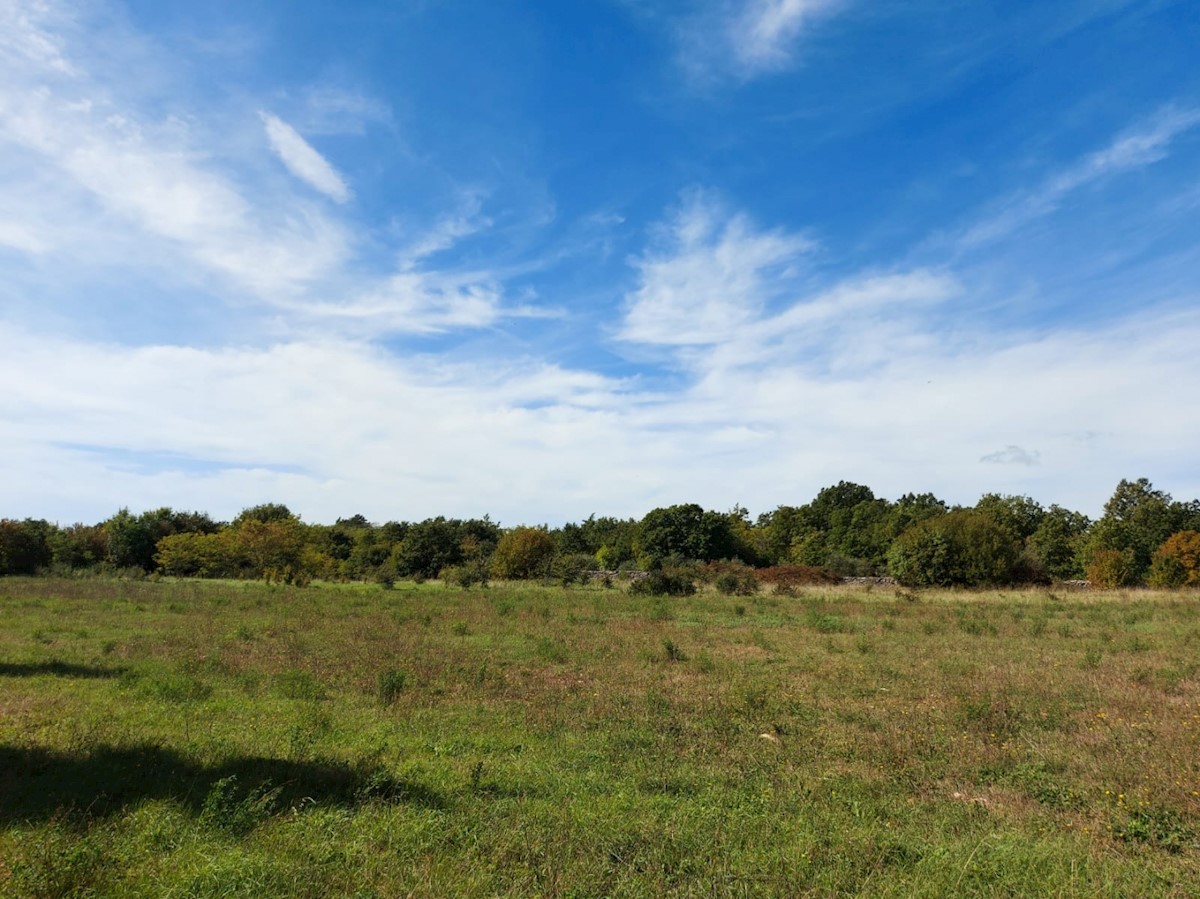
x=205, y=739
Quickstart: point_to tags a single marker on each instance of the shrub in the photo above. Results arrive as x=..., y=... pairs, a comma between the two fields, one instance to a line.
x=572, y=568
x=959, y=549
x=1177, y=562
x=466, y=575
x=664, y=582
x=523, y=553
x=1112, y=568
x=733, y=583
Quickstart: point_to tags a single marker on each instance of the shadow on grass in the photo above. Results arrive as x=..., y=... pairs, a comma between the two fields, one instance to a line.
x=37, y=785
x=60, y=669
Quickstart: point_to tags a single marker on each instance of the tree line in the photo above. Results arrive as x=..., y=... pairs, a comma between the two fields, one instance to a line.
x=1143, y=537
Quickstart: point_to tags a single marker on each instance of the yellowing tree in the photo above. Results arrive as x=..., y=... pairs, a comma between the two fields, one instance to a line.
x=1177, y=562
x=522, y=553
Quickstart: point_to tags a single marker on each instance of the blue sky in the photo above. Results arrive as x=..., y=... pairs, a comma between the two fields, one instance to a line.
x=540, y=260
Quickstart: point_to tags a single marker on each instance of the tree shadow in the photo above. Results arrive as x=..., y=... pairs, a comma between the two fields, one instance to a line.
x=38, y=785
x=59, y=669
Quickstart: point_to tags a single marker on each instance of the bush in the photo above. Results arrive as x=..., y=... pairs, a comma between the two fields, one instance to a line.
x=467, y=575
x=1112, y=568
x=1177, y=562
x=573, y=568
x=523, y=553
x=664, y=582
x=734, y=583
x=959, y=549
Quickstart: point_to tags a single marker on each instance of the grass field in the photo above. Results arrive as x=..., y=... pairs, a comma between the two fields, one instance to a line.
x=221, y=739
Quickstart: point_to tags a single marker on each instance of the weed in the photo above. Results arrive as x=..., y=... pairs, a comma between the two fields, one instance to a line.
x=298, y=684
x=235, y=811
x=1161, y=828
x=390, y=685
x=673, y=652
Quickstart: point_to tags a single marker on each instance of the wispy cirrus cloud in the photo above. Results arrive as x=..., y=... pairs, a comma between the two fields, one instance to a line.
x=1143, y=145
x=106, y=178
x=302, y=160
x=747, y=38
x=716, y=273
x=727, y=293
x=764, y=33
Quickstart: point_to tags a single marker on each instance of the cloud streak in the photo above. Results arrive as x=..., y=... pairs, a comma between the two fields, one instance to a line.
x=299, y=158
x=747, y=39
x=1135, y=149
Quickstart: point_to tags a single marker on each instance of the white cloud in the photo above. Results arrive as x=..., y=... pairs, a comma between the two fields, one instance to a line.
x=716, y=274
x=101, y=182
x=334, y=427
x=1132, y=150
x=737, y=295
x=103, y=166
x=747, y=38
x=764, y=33
x=299, y=157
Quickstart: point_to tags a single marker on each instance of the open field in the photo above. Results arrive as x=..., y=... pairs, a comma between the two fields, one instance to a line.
x=224, y=739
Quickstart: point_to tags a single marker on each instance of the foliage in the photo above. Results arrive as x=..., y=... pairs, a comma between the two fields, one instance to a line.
x=1177, y=562
x=469, y=574
x=1021, y=515
x=200, y=555
x=24, y=546
x=523, y=553
x=796, y=576
x=1137, y=520
x=735, y=583
x=78, y=547
x=664, y=582
x=572, y=568
x=964, y=548
x=685, y=531
x=1057, y=544
x=438, y=543
x=1110, y=568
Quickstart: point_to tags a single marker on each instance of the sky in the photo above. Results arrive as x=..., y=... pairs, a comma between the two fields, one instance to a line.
x=540, y=260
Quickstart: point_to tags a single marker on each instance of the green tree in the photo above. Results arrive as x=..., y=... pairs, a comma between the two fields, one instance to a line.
x=1056, y=546
x=131, y=540
x=438, y=543
x=685, y=531
x=264, y=512
x=78, y=547
x=1136, y=521
x=963, y=548
x=24, y=546
x=1020, y=514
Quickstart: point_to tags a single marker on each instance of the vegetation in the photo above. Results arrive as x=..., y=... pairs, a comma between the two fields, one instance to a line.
x=846, y=530
x=242, y=739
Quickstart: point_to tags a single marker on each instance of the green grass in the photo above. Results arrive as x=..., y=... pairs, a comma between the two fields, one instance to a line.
x=191, y=739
